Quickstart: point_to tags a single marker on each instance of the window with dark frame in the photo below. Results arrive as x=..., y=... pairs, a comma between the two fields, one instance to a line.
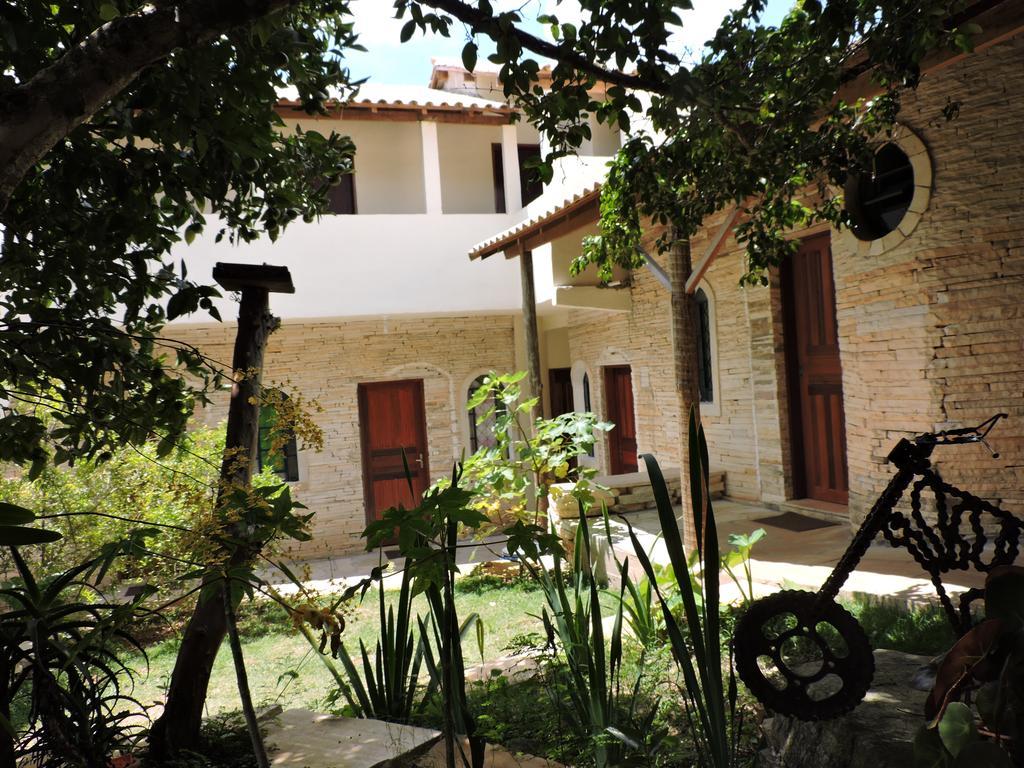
x=341, y=198
x=530, y=184
x=282, y=461
x=705, y=376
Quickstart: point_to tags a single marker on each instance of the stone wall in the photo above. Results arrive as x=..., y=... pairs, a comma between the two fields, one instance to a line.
x=327, y=360
x=641, y=338
x=931, y=324
x=932, y=329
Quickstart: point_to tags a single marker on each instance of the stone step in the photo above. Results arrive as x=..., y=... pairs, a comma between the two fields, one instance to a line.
x=626, y=493
x=494, y=757
x=301, y=738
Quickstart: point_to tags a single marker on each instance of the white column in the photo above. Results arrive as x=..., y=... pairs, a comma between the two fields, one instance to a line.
x=431, y=167
x=510, y=167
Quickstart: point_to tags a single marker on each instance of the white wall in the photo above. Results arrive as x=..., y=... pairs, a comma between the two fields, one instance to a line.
x=604, y=139
x=345, y=266
x=467, y=175
x=389, y=162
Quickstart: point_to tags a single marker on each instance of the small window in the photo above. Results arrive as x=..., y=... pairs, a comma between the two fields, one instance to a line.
x=705, y=375
x=276, y=451
x=877, y=202
x=341, y=198
x=481, y=433
x=530, y=184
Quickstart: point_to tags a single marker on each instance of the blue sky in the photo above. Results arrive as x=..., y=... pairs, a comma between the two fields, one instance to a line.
x=389, y=61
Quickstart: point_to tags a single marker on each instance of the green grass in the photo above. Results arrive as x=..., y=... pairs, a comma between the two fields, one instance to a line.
x=921, y=630
x=283, y=670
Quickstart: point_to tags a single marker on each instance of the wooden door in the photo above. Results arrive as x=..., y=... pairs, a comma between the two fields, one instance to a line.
x=392, y=420
x=560, y=391
x=815, y=374
x=618, y=388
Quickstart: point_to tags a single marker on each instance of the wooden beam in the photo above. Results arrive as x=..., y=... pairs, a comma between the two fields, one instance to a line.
x=579, y=213
x=712, y=251
x=238, y=277
x=530, y=326
x=395, y=114
x=573, y=219
x=999, y=21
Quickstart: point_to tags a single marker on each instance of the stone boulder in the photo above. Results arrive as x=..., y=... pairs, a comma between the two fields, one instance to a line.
x=879, y=733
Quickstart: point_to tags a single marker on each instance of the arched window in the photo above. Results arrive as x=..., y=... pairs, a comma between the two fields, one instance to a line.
x=705, y=362
x=481, y=433
x=275, y=450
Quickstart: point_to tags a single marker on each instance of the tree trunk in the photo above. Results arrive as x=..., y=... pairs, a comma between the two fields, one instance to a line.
x=532, y=334
x=178, y=727
x=684, y=352
x=7, y=746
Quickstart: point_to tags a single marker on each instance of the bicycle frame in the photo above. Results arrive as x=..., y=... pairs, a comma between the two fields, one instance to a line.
x=912, y=459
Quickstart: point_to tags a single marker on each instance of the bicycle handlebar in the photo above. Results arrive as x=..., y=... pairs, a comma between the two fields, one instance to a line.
x=961, y=436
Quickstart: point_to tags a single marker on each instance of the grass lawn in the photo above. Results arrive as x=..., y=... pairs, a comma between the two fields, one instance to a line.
x=284, y=670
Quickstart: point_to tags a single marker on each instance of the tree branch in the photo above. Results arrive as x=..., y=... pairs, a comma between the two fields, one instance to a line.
x=479, y=20
x=38, y=113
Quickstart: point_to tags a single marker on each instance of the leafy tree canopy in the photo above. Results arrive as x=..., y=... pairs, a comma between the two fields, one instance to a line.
x=189, y=128
x=758, y=119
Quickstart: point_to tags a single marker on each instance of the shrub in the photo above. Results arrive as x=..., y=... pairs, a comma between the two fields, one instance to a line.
x=99, y=501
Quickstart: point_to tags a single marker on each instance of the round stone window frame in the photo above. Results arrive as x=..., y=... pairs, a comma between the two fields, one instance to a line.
x=920, y=161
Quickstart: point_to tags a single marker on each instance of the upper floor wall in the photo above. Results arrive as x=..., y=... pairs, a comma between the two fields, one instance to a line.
x=424, y=150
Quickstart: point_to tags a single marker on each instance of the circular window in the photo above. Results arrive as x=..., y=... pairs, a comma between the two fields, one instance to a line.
x=878, y=201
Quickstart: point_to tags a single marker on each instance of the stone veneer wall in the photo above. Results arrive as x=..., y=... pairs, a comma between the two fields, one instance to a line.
x=931, y=336
x=327, y=360
x=641, y=338
x=932, y=330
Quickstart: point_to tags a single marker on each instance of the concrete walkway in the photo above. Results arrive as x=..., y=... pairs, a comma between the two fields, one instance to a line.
x=782, y=559
x=803, y=560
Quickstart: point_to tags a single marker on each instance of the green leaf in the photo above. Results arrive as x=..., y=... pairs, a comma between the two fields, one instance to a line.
x=16, y=536
x=956, y=728
x=469, y=54
x=1004, y=596
x=407, y=31
x=982, y=754
x=109, y=12
x=12, y=514
x=928, y=749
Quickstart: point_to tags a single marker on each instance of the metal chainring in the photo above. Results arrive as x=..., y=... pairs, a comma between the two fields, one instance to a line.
x=785, y=632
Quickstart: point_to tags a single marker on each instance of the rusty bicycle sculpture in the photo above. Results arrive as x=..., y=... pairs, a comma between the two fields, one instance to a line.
x=801, y=654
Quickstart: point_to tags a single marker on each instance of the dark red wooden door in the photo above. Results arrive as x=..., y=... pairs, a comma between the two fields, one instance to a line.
x=618, y=388
x=392, y=421
x=815, y=373
x=560, y=391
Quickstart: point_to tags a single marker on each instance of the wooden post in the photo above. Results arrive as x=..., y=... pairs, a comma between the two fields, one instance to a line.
x=177, y=728
x=532, y=334
x=684, y=354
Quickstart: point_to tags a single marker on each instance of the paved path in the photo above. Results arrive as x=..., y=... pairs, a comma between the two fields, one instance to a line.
x=803, y=560
x=783, y=559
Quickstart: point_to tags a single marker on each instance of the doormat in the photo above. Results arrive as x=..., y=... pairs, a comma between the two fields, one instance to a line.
x=793, y=521
x=392, y=554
